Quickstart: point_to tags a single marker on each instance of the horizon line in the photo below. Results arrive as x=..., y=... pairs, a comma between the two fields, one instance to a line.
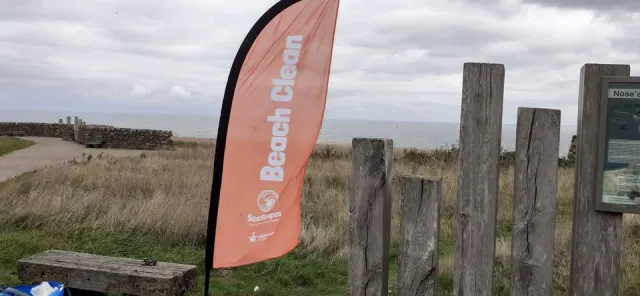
x=330, y=118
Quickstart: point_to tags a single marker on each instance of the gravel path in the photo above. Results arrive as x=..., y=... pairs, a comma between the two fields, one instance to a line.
x=47, y=152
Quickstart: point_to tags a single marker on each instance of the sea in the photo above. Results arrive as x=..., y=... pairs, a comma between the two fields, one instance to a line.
x=425, y=135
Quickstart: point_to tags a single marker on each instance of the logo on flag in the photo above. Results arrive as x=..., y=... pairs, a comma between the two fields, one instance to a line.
x=267, y=200
x=260, y=237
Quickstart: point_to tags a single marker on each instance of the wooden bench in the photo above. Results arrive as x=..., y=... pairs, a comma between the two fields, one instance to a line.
x=109, y=275
x=14, y=133
x=94, y=144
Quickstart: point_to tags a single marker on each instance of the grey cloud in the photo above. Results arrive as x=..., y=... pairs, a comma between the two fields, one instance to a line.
x=442, y=35
x=627, y=39
x=599, y=5
x=507, y=8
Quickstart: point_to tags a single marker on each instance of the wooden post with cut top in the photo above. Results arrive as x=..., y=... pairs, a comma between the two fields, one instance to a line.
x=479, y=169
x=597, y=236
x=420, y=227
x=534, y=203
x=370, y=217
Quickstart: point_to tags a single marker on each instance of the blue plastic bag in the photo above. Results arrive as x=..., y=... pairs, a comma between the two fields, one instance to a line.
x=26, y=289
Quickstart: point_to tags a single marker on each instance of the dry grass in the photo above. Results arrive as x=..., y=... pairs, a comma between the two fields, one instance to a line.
x=166, y=194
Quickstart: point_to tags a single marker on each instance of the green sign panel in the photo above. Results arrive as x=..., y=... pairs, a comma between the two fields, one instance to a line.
x=620, y=146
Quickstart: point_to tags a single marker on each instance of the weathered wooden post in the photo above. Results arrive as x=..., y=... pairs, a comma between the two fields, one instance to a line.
x=420, y=227
x=597, y=236
x=76, y=133
x=479, y=165
x=370, y=217
x=534, y=203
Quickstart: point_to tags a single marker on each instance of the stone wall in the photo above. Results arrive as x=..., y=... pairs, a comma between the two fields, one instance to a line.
x=118, y=138
x=126, y=138
x=37, y=129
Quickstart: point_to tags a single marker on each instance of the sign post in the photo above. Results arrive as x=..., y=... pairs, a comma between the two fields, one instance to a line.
x=618, y=186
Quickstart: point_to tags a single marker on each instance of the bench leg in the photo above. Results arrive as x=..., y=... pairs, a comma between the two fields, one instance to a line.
x=85, y=292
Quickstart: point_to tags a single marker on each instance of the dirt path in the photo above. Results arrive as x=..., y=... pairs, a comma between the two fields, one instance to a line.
x=46, y=152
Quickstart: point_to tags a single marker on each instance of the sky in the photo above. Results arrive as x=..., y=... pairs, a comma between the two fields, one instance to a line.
x=392, y=60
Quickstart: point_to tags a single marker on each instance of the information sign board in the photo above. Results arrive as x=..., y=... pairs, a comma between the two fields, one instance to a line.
x=618, y=186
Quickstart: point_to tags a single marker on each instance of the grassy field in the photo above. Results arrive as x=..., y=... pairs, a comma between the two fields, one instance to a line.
x=10, y=144
x=155, y=205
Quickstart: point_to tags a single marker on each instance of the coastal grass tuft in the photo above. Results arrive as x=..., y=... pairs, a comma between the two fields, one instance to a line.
x=10, y=144
x=155, y=204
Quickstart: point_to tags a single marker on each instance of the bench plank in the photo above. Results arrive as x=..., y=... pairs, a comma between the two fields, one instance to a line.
x=15, y=133
x=111, y=275
x=94, y=144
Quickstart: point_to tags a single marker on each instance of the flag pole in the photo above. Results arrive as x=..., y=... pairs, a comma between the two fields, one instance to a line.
x=223, y=127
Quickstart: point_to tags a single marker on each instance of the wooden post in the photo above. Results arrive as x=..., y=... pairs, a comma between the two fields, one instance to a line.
x=597, y=236
x=420, y=227
x=76, y=133
x=370, y=217
x=479, y=166
x=534, y=203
